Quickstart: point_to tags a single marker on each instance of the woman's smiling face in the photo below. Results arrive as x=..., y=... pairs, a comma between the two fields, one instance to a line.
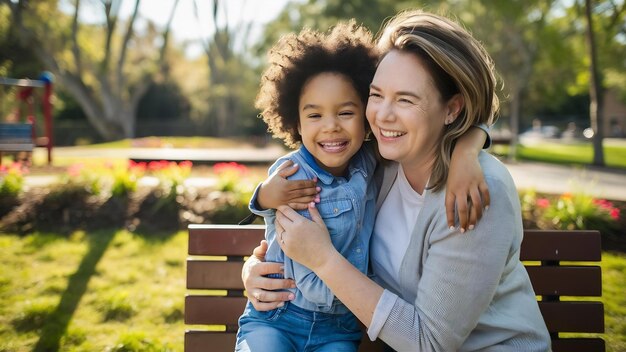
x=331, y=125
x=405, y=109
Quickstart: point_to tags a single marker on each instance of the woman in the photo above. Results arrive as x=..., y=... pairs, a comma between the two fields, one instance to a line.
x=433, y=289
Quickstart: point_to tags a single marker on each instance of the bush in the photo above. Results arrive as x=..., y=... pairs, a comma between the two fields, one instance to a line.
x=108, y=196
x=12, y=179
x=11, y=186
x=569, y=211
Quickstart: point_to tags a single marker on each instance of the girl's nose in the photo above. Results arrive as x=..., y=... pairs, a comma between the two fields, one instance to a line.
x=331, y=124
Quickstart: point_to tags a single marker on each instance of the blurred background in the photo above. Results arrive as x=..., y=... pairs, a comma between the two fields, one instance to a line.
x=149, y=107
x=125, y=69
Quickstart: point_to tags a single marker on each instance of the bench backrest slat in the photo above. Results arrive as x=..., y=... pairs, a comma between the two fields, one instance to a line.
x=224, y=240
x=576, y=316
x=561, y=245
x=213, y=310
x=565, y=280
x=214, y=275
x=216, y=254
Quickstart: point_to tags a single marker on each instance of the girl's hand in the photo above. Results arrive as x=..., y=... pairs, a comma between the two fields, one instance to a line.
x=466, y=188
x=466, y=181
x=277, y=190
x=306, y=242
x=260, y=289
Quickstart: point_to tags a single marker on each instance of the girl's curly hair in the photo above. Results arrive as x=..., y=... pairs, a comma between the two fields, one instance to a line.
x=346, y=49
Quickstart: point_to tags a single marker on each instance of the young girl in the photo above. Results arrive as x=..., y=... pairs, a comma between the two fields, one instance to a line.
x=313, y=95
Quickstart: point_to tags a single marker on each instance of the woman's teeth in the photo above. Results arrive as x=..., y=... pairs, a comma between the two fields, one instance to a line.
x=391, y=134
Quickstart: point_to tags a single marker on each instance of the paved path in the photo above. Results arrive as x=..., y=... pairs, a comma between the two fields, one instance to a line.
x=548, y=178
x=555, y=179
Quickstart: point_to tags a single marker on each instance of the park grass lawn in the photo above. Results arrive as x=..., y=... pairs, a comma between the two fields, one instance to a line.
x=110, y=290
x=577, y=154
x=118, y=291
x=613, y=289
x=174, y=142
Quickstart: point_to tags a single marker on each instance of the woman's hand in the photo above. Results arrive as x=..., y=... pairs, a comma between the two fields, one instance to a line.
x=260, y=289
x=466, y=182
x=306, y=242
x=277, y=190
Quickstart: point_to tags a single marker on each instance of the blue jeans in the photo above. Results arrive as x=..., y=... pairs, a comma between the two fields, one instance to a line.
x=291, y=328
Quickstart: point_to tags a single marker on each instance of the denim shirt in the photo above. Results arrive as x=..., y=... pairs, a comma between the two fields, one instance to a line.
x=348, y=207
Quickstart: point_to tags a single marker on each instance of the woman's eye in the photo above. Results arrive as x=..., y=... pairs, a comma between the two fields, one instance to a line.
x=405, y=101
x=374, y=95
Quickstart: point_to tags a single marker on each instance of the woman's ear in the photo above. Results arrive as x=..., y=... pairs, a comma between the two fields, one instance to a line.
x=455, y=106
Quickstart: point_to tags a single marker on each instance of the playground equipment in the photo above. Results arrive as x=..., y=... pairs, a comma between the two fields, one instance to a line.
x=20, y=134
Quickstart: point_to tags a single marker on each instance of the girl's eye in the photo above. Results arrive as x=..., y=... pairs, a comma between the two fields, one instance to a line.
x=346, y=113
x=314, y=116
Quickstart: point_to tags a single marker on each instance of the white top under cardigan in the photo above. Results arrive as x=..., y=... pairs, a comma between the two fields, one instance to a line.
x=459, y=292
x=406, y=203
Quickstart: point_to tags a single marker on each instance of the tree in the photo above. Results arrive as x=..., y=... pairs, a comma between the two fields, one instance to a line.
x=232, y=80
x=597, y=32
x=322, y=14
x=106, y=74
x=595, y=88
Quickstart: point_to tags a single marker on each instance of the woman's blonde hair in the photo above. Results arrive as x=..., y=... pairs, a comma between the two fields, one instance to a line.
x=458, y=64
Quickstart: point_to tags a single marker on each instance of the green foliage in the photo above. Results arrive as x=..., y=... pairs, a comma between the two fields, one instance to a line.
x=85, y=176
x=229, y=176
x=236, y=190
x=125, y=179
x=171, y=177
x=117, y=179
x=12, y=179
x=570, y=211
x=163, y=101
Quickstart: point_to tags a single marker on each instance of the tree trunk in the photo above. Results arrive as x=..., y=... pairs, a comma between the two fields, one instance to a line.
x=595, y=90
x=110, y=102
x=516, y=107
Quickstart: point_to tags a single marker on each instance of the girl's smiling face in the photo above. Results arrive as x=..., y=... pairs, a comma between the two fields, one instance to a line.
x=332, y=123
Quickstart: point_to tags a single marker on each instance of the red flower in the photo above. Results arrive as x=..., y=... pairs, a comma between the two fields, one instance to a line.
x=185, y=164
x=543, y=203
x=614, y=213
x=232, y=166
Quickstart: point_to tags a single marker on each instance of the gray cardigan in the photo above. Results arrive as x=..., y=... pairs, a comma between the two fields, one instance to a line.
x=461, y=292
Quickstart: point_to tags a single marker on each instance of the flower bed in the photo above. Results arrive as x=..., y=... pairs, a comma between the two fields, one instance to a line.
x=109, y=196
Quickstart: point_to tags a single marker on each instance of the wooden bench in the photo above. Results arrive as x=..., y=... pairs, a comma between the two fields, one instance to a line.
x=206, y=311
x=16, y=137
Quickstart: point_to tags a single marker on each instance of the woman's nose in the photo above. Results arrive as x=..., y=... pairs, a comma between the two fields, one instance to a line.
x=384, y=112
